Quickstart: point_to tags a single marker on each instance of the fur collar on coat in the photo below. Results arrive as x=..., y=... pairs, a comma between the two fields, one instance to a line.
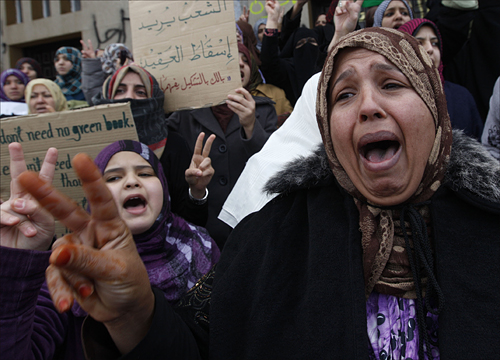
x=471, y=168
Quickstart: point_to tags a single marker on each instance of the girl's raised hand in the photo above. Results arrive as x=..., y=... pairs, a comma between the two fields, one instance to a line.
x=97, y=264
x=200, y=171
x=24, y=224
x=244, y=107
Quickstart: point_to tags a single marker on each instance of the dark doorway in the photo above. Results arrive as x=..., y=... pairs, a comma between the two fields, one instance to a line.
x=44, y=53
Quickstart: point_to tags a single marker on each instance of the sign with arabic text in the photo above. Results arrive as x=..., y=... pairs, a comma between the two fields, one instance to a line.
x=189, y=47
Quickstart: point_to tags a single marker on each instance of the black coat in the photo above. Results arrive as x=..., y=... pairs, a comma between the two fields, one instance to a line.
x=290, y=284
x=229, y=154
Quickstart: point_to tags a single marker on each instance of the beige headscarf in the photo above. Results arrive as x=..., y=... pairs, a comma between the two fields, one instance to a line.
x=59, y=99
x=386, y=263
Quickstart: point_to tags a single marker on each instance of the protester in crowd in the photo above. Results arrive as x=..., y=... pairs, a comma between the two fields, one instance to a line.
x=292, y=21
x=392, y=13
x=369, y=7
x=95, y=69
x=461, y=105
x=380, y=240
x=296, y=63
x=298, y=136
x=257, y=87
x=242, y=125
x=30, y=67
x=471, y=34
x=68, y=64
x=174, y=252
x=320, y=20
x=188, y=193
x=258, y=30
x=249, y=39
x=12, y=85
x=45, y=96
x=491, y=133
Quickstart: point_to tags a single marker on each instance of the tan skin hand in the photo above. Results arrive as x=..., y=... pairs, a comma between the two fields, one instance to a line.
x=200, y=171
x=245, y=15
x=273, y=14
x=345, y=19
x=88, y=51
x=24, y=224
x=244, y=107
x=97, y=264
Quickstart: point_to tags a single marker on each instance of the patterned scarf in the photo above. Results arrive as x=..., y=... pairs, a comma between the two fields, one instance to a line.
x=3, y=78
x=176, y=253
x=71, y=83
x=59, y=99
x=412, y=27
x=149, y=116
x=111, y=54
x=387, y=265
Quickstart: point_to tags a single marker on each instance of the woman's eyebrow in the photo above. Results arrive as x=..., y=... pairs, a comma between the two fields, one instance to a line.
x=141, y=167
x=385, y=67
x=112, y=170
x=342, y=76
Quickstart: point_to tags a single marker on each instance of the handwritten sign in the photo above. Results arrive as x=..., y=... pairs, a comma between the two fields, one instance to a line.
x=71, y=132
x=189, y=47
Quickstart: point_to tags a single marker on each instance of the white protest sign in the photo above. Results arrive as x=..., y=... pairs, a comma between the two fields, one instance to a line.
x=189, y=47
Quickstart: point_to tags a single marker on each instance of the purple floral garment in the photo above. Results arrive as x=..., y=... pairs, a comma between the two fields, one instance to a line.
x=393, y=330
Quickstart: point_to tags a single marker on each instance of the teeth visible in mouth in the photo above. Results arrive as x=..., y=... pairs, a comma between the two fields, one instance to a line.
x=380, y=151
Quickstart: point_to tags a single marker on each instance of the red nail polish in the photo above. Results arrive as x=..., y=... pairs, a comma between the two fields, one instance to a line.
x=85, y=291
x=63, y=305
x=63, y=257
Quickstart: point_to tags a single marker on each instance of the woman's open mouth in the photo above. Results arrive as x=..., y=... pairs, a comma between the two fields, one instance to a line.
x=135, y=204
x=379, y=151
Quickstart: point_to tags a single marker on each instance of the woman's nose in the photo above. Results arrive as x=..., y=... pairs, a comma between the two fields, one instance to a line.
x=429, y=49
x=370, y=107
x=132, y=182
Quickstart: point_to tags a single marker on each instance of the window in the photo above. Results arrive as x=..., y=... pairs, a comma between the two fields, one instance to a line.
x=68, y=6
x=19, y=12
x=75, y=5
x=40, y=9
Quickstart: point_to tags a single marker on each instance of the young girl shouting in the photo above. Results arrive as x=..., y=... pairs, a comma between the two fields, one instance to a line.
x=175, y=253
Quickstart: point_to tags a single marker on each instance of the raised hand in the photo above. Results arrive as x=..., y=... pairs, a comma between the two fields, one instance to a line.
x=97, y=264
x=244, y=107
x=345, y=19
x=24, y=224
x=200, y=171
x=273, y=14
x=245, y=15
x=87, y=50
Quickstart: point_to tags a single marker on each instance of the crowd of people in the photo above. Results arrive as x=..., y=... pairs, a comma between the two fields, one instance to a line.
x=344, y=203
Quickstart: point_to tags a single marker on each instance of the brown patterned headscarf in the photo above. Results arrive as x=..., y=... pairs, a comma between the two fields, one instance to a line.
x=387, y=241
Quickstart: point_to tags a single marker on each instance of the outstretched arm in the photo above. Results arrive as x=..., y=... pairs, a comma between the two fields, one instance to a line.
x=97, y=264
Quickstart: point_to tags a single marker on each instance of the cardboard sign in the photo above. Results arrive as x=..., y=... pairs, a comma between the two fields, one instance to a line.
x=189, y=47
x=71, y=132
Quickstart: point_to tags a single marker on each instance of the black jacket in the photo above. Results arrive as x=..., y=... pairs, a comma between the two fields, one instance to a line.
x=290, y=285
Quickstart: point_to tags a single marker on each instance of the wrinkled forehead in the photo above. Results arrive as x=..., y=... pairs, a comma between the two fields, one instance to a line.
x=398, y=49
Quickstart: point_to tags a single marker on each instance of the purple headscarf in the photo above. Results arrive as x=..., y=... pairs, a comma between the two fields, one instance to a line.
x=176, y=253
x=5, y=74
